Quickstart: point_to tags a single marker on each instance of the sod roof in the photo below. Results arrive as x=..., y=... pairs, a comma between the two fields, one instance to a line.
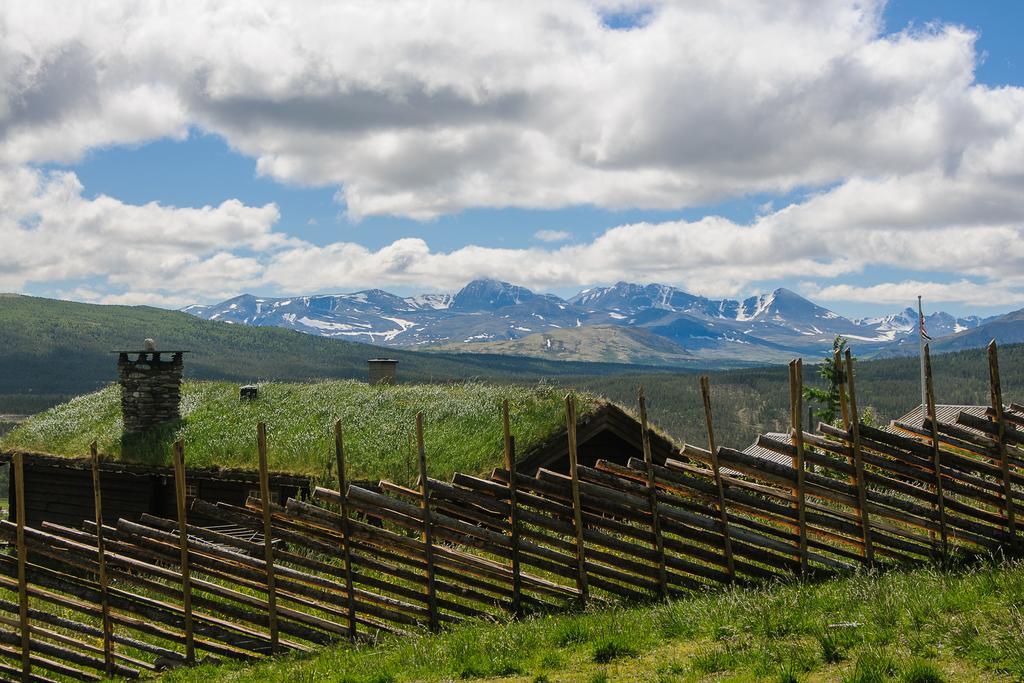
x=462, y=426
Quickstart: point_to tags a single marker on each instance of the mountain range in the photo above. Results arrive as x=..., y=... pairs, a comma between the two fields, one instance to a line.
x=624, y=322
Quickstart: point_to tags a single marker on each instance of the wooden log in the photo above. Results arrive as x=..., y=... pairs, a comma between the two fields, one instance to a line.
x=186, y=576
x=865, y=518
x=705, y=390
x=108, y=647
x=19, y=507
x=581, y=561
x=45, y=663
x=255, y=550
x=652, y=496
x=796, y=409
x=513, y=513
x=78, y=627
x=131, y=571
x=1000, y=421
x=900, y=469
x=346, y=534
x=427, y=536
x=68, y=649
x=940, y=502
x=222, y=642
x=268, y=537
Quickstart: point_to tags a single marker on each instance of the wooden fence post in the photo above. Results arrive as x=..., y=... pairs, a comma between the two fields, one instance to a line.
x=652, y=496
x=844, y=410
x=705, y=391
x=796, y=410
x=19, y=511
x=577, y=509
x=346, y=550
x=513, y=511
x=858, y=465
x=428, y=533
x=108, y=627
x=268, y=541
x=940, y=498
x=1004, y=464
x=186, y=575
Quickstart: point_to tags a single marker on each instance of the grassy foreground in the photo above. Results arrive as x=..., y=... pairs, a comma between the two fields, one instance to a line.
x=462, y=426
x=918, y=627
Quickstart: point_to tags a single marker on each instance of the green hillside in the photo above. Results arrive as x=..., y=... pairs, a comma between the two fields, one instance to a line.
x=596, y=343
x=51, y=350
x=462, y=426
x=924, y=626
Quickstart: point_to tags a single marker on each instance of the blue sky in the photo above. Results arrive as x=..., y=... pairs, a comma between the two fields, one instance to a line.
x=204, y=159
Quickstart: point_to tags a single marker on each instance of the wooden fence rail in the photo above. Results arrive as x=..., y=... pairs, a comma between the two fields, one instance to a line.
x=138, y=596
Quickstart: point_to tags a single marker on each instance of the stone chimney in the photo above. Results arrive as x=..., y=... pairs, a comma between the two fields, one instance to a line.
x=382, y=370
x=150, y=387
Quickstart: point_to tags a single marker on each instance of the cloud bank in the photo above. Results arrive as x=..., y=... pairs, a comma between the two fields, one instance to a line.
x=419, y=111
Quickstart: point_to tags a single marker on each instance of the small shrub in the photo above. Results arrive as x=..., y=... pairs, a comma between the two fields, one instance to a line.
x=541, y=678
x=613, y=649
x=572, y=633
x=873, y=666
x=712, y=660
x=787, y=676
x=920, y=671
x=832, y=651
x=600, y=677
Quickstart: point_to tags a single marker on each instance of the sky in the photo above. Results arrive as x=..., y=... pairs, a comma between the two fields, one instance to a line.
x=859, y=153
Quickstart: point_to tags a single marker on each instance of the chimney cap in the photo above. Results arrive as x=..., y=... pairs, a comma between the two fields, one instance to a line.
x=150, y=351
x=381, y=360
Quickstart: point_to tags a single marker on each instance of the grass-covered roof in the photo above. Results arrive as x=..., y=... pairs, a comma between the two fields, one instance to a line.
x=462, y=426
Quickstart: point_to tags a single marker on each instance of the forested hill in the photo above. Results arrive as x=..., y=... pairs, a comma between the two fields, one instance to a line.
x=51, y=350
x=755, y=400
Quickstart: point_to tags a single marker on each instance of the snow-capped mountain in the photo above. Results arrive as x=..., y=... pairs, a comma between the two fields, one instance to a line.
x=762, y=327
x=938, y=324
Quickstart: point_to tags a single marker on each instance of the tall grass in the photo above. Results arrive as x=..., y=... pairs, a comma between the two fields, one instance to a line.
x=462, y=426
x=923, y=626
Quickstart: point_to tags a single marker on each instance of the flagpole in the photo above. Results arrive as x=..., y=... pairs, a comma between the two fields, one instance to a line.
x=920, y=344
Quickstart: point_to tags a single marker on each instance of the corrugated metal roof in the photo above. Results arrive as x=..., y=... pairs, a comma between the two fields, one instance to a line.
x=944, y=413
x=765, y=454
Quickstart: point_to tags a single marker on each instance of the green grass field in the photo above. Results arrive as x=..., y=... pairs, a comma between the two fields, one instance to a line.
x=462, y=426
x=922, y=626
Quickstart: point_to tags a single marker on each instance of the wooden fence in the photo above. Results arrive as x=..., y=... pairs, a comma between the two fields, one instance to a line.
x=139, y=596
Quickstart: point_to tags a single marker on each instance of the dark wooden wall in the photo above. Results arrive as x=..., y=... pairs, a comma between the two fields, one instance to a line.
x=63, y=495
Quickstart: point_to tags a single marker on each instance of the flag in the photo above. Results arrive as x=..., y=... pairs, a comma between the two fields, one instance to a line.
x=922, y=330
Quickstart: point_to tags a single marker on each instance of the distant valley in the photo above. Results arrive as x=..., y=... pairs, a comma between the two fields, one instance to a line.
x=623, y=323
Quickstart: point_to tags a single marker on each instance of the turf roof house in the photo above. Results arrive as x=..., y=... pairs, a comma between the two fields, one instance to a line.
x=462, y=424
x=59, y=489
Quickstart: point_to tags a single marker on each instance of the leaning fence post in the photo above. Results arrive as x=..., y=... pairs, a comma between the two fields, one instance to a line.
x=1004, y=464
x=858, y=465
x=268, y=542
x=428, y=532
x=577, y=509
x=652, y=496
x=108, y=627
x=513, y=511
x=796, y=409
x=19, y=511
x=346, y=549
x=186, y=576
x=940, y=498
x=730, y=564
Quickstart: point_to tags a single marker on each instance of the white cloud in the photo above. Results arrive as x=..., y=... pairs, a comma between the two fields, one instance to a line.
x=485, y=104
x=421, y=112
x=899, y=293
x=552, y=235
x=50, y=232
